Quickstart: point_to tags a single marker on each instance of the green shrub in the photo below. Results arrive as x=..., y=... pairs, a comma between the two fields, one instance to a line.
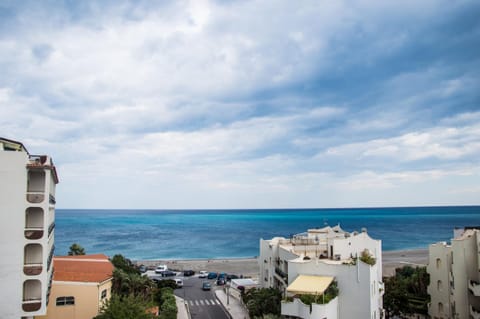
x=367, y=258
x=167, y=302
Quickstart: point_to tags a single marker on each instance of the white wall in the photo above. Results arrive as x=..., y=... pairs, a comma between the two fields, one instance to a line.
x=13, y=177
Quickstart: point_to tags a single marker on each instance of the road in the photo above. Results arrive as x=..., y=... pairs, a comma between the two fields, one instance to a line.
x=202, y=304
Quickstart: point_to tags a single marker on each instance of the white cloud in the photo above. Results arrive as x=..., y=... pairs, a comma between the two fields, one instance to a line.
x=263, y=99
x=444, y=143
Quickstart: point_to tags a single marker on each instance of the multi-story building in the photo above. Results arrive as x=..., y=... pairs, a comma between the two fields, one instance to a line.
x=345, y=267
x=81, y=285
x=455, y=276
x=27, y=216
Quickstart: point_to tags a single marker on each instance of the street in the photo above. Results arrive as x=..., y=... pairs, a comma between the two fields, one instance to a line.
x=202, y=304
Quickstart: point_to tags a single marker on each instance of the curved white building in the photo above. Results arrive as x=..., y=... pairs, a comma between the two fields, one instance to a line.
x=27, y=216
x=311, y=263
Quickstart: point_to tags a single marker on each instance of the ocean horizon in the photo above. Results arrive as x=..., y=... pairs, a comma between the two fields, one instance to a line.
x=149, y=234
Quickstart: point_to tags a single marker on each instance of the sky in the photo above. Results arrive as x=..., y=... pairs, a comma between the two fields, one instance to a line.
x=247, y=104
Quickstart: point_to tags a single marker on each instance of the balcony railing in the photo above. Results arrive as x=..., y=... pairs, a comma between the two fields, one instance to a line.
x=32, y=269
x=51, y=228
x=298, y=309
x=474, y=287
x=33, y=232
x=49, y=289
x=35, y=197
x=33, y=304
x=280, y=273
x=50, y=258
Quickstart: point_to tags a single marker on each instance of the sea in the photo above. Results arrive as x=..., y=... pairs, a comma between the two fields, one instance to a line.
x=141, y=234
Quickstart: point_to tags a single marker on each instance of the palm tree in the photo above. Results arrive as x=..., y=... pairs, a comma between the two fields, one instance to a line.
x=76, y=249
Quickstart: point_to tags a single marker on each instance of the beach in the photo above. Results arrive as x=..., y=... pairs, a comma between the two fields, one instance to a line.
x=248, y=267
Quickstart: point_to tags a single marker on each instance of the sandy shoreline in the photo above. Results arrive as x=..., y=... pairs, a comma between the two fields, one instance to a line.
x=249, y=266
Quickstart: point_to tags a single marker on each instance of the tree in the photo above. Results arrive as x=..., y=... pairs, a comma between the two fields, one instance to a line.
x=129, y=307
x=263, y=301
x=76, y=249
x=125, y=284
x=406, y=292
x=124, y=264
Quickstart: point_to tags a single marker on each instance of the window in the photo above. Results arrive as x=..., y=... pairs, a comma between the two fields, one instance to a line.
x=440, y=307
x=439, y=263
x=104, y=293
x=439, y=285
x=65, y=301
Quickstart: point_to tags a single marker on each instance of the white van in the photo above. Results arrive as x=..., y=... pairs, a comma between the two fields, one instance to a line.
x=161, y=268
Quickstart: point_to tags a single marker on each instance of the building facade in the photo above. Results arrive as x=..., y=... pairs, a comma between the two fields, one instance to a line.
x=455, y=276
x=311, y=263
x=27, y=216
x=81, y=285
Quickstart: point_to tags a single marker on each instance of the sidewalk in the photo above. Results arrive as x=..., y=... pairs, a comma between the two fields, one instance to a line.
x=234, y=307
x=182, y=310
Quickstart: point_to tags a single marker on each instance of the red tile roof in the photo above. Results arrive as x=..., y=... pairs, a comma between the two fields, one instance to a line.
x=84, y=268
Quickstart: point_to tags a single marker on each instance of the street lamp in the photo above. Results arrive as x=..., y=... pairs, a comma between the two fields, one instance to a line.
x=227, y=287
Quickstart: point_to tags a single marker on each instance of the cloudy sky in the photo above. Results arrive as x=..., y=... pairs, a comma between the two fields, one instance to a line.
x=247, y=104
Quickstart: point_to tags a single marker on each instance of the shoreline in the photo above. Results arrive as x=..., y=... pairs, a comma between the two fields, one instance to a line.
x=248, y=266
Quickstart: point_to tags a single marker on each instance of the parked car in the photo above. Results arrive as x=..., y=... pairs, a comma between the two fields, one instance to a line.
x=142, y=268
x=179, y=282
x=168, y=273
x=220, y=281
x=188, y=273
x=212, y=275
x=222, y=275
x=206, y=285
x=231, y=276
x=161, y=268
x=203, y=274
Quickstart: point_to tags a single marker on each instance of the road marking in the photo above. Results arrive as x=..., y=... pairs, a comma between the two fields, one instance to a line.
x=204, y=302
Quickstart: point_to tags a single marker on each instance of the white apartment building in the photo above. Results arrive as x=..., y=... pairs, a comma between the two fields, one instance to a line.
x=27, y=216
x=455, y=276
x=311, y=263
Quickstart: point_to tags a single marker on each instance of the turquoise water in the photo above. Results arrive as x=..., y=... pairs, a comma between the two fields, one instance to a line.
x=190, y=234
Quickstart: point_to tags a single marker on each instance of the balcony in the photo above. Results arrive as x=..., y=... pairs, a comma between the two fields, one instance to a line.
x=36, y=186
x=32, y=264
x=32, y=269
x=281, y=275
x=474, y=287
x=32, y=295
x=50, y=257
x=32, y=305
x=33, y=233
x=475, y=313
x=297, y=308
x=35, y=197
x=51, y=228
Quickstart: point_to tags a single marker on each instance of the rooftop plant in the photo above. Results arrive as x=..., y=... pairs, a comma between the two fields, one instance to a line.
x=367, y=258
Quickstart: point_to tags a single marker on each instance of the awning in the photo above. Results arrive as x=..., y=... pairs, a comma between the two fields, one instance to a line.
x=310, y=285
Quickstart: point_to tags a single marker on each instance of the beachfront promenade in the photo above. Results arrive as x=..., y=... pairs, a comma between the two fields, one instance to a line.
x=249, y=266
